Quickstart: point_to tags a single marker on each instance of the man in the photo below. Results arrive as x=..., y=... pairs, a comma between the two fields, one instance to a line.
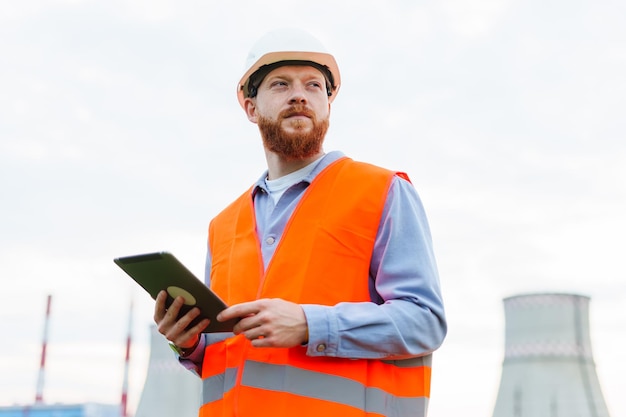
x=326, y=262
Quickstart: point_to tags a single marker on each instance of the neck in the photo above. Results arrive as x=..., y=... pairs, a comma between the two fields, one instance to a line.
x=279, y=166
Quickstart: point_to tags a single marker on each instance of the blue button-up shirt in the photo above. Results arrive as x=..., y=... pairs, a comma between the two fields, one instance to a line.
x=405, y=317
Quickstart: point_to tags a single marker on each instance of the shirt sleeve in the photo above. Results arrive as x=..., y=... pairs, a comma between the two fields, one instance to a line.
x=405, y=317
x=193, y=361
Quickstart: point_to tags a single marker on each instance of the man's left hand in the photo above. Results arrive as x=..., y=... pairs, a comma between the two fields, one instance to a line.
x=269, y=322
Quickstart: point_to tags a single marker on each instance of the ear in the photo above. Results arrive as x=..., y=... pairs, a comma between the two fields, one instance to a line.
x=249, y=106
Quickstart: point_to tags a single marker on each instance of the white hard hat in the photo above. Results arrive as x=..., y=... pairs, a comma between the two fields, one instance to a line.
x=289, y=46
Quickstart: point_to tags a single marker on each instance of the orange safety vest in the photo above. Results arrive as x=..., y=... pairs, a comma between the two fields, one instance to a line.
x=323, y=258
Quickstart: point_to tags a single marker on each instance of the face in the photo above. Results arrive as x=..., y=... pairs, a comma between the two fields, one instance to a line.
x=291, y=109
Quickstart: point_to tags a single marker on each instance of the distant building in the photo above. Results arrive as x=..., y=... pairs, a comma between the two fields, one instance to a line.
x=548, y=368
x=61, y=410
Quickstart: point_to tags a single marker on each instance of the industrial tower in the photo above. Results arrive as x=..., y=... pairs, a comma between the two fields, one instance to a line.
x=548, y=368
x=170, y=389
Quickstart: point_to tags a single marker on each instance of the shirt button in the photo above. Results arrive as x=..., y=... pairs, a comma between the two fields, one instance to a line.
x=270, y=240
x=321, y=347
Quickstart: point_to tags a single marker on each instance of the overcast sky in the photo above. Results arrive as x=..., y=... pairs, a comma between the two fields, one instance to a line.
x=120, y=133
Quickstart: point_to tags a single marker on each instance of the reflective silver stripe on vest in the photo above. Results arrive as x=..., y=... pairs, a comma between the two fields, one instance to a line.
x=214, y=388
x=321, y=386
x=332, y=388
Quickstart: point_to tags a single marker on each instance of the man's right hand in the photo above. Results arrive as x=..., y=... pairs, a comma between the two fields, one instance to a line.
x=176, y=330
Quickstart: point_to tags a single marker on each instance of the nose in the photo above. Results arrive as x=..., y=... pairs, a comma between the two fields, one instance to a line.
x=297, y=94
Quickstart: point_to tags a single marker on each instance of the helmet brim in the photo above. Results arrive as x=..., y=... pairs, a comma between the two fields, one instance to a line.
x=320, y=58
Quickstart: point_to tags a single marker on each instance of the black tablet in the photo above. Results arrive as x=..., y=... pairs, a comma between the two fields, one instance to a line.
x=162, y=271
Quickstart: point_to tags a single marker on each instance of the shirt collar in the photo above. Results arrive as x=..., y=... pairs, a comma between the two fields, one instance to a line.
x=326, y=160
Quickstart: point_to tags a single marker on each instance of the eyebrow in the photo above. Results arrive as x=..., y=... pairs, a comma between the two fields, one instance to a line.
x=313, y=74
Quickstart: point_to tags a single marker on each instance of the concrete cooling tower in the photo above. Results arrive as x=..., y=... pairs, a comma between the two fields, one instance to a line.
x=170, y=389
x=548, y=368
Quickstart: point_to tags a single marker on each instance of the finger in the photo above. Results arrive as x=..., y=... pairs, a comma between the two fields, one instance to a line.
x=202, y=324
x=173, y=311
x=261, y=342
x=239, y=311
x=247, y=323
x=186, y=338
x=181, y=323
x=169, y=325
x=159, y=306
x=256, y=333
x=177, y=329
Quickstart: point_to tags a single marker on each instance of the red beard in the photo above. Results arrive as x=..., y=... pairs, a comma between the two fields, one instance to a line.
x=297, y=145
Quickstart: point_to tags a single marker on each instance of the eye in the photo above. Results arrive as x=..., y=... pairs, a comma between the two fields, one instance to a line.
x=315, y=84
x=278, y=83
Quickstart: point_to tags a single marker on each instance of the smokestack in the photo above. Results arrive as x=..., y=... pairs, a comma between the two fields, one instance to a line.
x=124, y=401
x=548, y=367
x=42, y=363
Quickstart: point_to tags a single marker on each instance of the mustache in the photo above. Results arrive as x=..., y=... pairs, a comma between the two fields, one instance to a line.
x=297, y=110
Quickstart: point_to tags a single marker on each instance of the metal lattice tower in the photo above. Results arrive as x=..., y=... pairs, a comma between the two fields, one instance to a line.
x=548, y=368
